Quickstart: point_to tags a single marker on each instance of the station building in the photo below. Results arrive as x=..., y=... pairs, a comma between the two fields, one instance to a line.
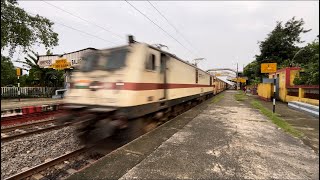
x=286, y=90
x=66, y=62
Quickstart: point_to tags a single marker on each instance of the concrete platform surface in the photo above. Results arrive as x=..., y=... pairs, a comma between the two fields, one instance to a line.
x=306, y=123
x=15, y=103
x=227, y=140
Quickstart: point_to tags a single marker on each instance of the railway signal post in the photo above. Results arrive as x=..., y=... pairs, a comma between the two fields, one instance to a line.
x=274, y=94
x=271, y=68
x=19, y=73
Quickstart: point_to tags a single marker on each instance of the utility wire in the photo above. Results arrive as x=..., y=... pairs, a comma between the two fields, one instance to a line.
x=114, y=34
x=171, y=24
x=79, y=30
x=159, y=27
x=86, y=33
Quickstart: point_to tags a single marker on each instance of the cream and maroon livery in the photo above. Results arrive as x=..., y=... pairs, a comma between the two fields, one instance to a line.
x=147, y=80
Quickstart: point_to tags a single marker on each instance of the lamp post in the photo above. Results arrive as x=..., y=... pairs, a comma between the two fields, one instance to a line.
x=196, y=61
x=291, y=63
x=159, y=46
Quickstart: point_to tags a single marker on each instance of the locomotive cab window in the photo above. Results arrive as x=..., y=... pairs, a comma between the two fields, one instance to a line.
x=116, y=59
x=197, y=74
x=108, y=61
x=151, y=63
x=163, y=63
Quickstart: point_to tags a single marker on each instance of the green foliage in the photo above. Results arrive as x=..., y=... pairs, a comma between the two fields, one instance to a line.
x=19, y=29
x=8, y=72
x=307, y=54
x=255, y=81
x=252, y=71
x=277, y=120
x=280, y=44
x=240, y=96
x=40, y=76
x=308, y=59
x=217, y=98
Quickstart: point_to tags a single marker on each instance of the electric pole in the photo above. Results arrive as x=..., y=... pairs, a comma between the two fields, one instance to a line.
x=196, y=61
x=237, y=78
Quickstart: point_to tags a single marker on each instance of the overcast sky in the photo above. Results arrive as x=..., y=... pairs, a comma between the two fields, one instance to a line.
x=222, y=32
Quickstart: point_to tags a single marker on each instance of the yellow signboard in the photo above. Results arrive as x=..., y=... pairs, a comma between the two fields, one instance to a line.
x=61, y=64
x=19, y=72
x=268, y=67
x=241, y=80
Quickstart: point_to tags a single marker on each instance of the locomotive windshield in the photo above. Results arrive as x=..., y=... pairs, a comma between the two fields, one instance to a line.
x=111, y=60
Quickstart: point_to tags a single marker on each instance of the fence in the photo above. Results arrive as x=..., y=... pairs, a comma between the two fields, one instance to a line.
x=28, y=92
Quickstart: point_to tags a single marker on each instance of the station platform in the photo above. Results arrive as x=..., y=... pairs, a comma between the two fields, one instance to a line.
x=215, y=140
x=13, y=107
x=304, y=122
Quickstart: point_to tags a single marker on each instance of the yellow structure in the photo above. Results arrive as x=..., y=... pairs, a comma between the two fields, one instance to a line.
x=287, y=90
x=19, y=72
x=239, y=80
x=265, y=91
x=61, y=64
x=268, y=67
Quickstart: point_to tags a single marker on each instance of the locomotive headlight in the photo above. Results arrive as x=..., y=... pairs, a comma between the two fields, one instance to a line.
x=119, y=85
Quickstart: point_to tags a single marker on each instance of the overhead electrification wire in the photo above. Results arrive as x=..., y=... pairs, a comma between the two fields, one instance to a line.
x=170, y=24
x=86, y=33
x=159, y=27
x=113, y=33
x=75, y=29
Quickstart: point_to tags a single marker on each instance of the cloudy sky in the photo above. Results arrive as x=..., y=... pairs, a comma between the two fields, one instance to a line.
x=223, y=32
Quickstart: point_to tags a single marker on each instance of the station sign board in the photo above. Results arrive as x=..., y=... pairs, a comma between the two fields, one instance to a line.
x=19, y=71
x=61, y=64
x=268, y=67
x=239, y=79
x=45, y=63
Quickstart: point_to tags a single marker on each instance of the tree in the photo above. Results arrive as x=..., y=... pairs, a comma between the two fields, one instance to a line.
x=307, y=54
x=280, y=46
x=19, y=29
x=281, y=43
x=252, y=71
x=8, y=72
x=40, y=76
x=308, y=59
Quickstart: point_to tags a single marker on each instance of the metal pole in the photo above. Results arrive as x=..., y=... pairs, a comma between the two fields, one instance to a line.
x=19, y=88
x=274, y=93
x=237, y=77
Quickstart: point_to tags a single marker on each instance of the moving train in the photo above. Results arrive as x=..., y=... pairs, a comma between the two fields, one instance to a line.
x=115, y=87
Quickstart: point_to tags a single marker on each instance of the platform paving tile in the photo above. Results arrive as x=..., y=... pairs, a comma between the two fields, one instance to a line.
x=227, y=140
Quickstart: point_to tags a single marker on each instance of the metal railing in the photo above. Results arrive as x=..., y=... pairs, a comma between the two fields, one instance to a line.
x=28, y=92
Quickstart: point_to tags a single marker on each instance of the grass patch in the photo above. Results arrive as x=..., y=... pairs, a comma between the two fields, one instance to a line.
x=277, y=120
x=217, y=98
x=240, y=96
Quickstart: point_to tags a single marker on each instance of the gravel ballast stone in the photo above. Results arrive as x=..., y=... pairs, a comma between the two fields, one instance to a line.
x=33, y=150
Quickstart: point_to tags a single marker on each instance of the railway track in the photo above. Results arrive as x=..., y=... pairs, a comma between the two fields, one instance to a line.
x=23, y=133
x=31, y=171
x=52, y=170
x=20, y=119
x=26, y=126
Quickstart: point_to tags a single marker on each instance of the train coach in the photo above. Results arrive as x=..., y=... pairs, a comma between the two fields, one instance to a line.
x=113, y=86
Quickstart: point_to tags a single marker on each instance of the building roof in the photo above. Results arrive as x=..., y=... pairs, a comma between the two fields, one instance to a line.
x=225, y=79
